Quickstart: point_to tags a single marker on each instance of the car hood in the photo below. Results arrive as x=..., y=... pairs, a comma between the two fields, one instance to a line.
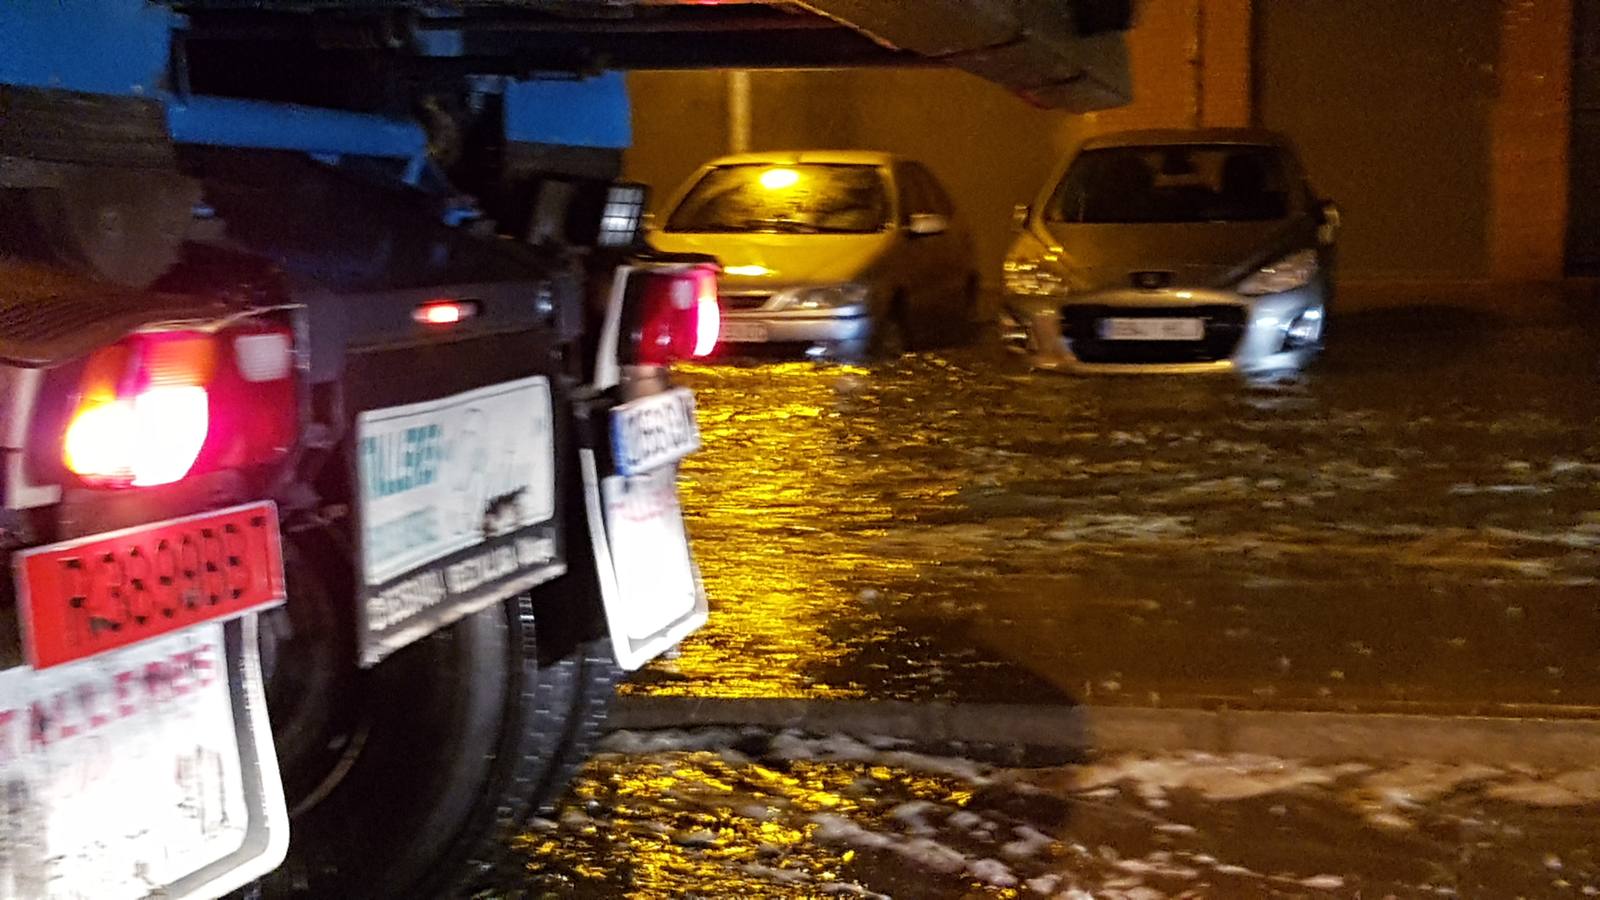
x=1198, y=255
x=774, y=261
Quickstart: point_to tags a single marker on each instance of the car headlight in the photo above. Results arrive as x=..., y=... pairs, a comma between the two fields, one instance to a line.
x=1293, y=271
x=834, y=296
x=1032, y=278
x=1303, y=330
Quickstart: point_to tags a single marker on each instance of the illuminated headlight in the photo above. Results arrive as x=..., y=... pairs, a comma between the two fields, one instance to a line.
x=836, y=296
x=1028, y=278
x=1304, y=330
x=1293, y=271
x=619, y=221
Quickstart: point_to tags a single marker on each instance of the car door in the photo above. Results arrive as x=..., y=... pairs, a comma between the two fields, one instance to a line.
x=952, y=250
x=918, y=255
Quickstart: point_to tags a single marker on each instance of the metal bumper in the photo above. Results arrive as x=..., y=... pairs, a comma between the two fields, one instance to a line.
x=808, y=328
x=1035, y=328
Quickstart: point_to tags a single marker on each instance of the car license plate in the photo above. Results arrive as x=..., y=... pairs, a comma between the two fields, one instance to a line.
x=125, y=775
x=735, y=332
x=654, y=431
x=1173, y=329
x=106, y=591
x=648, y=581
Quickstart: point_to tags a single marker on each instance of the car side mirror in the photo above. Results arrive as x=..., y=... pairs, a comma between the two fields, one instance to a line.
x=1020, y=214
x=927, y=224
x=1329, y=221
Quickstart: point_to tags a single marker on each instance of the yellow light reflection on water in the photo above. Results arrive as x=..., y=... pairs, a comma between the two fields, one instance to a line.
x=765, y=466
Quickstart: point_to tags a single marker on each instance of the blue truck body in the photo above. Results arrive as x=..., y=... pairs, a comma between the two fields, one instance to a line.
x=125, y=48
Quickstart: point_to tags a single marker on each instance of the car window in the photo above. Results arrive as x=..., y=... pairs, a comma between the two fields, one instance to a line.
x=1177, y=183
x=809, y=198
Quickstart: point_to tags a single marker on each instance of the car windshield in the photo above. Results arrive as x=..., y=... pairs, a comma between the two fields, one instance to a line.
x=1184, y=183
x=797, y=199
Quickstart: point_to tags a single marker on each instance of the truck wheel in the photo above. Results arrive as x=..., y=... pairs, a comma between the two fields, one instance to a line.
x=461, y=738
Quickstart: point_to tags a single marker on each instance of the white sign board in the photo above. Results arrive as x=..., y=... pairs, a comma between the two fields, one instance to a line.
x=119, y=773
x=441, y=476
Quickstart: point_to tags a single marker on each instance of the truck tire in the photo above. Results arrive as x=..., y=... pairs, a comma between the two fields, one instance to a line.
x=466, y=734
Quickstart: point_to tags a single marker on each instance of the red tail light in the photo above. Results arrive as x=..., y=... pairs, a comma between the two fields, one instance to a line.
x=159, y=405
x=681, y=318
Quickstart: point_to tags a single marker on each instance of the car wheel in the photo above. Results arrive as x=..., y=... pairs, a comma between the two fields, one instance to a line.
x=453, y=743
x=890, y=337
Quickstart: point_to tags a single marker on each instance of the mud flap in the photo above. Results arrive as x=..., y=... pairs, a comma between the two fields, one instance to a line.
x=649, y=583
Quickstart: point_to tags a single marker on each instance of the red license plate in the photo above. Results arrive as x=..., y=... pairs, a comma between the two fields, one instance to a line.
x=98, y=593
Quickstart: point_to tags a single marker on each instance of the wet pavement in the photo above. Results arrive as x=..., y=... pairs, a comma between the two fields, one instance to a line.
x=1412, y=525
x=724, y=813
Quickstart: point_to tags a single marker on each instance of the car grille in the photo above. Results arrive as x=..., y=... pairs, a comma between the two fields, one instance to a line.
x=745, y=299
x=1224, y=326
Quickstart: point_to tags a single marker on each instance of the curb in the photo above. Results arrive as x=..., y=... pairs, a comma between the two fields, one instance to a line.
x=1544, y=743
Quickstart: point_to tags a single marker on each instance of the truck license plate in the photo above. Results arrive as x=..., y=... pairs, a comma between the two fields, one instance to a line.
x=106, y=591
x=124, y=775
x=651, y=432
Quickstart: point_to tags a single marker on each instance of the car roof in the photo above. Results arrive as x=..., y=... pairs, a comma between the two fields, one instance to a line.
x=1178, y=136
x=800, y=157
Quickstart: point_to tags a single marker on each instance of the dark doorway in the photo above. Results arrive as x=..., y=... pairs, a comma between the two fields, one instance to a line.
x=1583, y=228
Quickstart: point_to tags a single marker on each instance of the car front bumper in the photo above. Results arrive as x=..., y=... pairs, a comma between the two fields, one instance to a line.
x=1243, y=334
x=845, y=326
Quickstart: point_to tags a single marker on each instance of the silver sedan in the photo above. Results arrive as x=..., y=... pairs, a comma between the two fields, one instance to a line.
x=1173, y=252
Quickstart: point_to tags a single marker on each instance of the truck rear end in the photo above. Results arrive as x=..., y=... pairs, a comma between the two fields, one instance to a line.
x=338, y=443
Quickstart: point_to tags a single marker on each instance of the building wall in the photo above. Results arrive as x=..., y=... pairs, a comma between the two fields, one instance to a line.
x=1391, y=105
x=990, y=148
x=1532, y=134
x=1439, y=127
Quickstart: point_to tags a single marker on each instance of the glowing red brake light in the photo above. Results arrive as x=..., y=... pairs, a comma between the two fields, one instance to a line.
x=681, y=318
x=151, y=438
x=159, y=405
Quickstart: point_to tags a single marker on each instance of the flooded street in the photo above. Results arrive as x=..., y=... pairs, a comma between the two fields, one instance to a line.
x=1413, y=524
x=722, y=813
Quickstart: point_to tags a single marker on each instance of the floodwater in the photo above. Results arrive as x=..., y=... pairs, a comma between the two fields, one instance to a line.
x=1412, y=524
x=725, y=813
